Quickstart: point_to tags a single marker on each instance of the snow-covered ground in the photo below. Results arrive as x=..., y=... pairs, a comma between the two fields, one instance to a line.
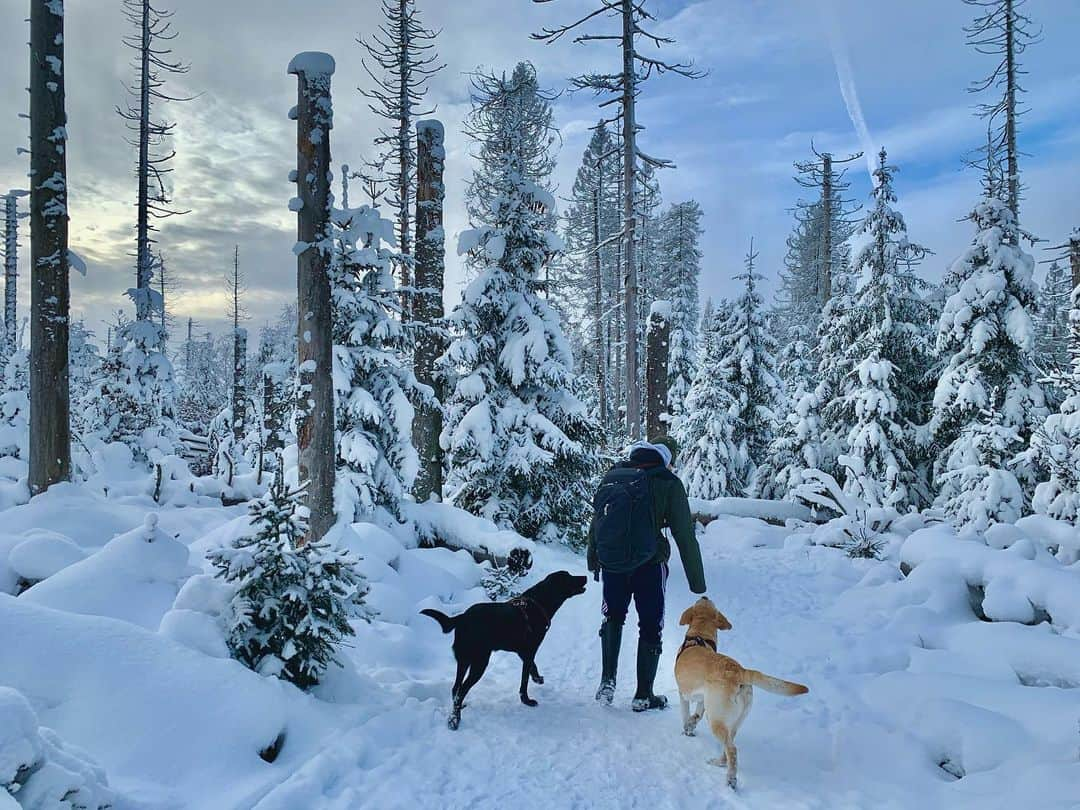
x=118, y=653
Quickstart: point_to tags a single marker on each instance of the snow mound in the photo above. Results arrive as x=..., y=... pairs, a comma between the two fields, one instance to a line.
x=135, y=577
x=38, y=771
x=172, y=727
x=43, y=554
x=1021, y=583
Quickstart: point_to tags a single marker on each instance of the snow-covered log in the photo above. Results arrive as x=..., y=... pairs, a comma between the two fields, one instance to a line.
x=779, y=512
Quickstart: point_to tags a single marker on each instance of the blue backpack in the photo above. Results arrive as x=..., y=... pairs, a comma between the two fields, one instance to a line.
x=624, y=530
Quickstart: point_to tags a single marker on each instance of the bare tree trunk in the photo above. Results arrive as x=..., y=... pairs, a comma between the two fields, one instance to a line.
x=404, y=153
x=1074, y=257
x=656, y=370
x=826, y=234
x=315, y=397
x=271, y=417
x=239, y=399
x=143, y=259
x=11, y=272
x=50, y=426
x=1010, y=109
x=239, y=396
x=629, y=134
x=598, y=304
x=428, y=309
x=187, y=354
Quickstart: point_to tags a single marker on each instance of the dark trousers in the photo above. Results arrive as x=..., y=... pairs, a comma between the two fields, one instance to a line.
x=646, y=585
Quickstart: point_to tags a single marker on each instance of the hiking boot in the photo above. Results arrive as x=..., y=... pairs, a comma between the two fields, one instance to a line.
x=648, y=659
x=610, y=642
x=646, y=703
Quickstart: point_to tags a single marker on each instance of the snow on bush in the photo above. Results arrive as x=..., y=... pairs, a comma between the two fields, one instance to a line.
x=861, y=528
x=294, y=599
x=38, y=771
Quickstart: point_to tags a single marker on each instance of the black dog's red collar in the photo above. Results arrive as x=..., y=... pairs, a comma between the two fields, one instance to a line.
x=522, y=603
x=695, y=641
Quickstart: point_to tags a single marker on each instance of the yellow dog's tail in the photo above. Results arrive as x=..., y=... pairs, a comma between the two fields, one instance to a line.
x=771, y=684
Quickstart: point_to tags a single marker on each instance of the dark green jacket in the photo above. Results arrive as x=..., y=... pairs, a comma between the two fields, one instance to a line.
x=671, y=510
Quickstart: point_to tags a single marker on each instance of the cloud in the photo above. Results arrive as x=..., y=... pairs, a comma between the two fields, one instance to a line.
x=771, y=87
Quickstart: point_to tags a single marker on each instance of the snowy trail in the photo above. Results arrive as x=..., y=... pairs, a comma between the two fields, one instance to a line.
x=571, y=753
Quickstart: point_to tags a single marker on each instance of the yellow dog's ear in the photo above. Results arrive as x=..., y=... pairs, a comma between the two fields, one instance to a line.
x=722, y=622
x=687, y=615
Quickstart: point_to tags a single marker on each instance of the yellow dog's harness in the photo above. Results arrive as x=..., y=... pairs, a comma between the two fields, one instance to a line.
x=695, y=641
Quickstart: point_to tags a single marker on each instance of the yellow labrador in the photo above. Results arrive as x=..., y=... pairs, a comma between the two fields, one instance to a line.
x=716, y=685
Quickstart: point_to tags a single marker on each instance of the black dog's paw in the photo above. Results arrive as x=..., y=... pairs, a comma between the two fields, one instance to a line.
x=538, y=679
x=453, y=721
x=528, y=701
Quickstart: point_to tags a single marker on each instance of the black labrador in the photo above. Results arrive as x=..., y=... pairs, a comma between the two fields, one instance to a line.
x=517, y=626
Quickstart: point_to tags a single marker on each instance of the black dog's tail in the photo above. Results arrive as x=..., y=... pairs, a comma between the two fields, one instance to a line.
x=447, y=623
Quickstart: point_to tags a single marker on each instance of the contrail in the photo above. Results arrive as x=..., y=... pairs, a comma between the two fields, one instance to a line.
x=846, y=79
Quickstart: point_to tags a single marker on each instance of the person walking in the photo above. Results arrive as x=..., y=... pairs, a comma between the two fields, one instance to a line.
x=636, y=500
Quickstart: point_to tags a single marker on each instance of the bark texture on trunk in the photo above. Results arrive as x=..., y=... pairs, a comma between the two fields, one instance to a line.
x=315, y=395
x=657, y=343
x=50, y=426
x=428, y=305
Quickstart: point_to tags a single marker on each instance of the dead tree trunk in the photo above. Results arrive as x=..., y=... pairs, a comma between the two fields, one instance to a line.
x=315, y=395
x=143, y=259
x=11, y=271
x=656, y=369
x=1013, y=181
x=1074, y=257
x=826, y=233
x=598, y=303
x=629, y=138
x=50, y=426
x=428, y=304
x=239, y=394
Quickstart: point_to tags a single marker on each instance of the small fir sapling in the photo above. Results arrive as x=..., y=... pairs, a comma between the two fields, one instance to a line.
x=501, y=581
x=293, y=601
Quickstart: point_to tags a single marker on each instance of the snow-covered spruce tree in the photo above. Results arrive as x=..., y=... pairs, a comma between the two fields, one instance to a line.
x=747, y=371
x=977, y=487
x=795, y=448
x=989, y=390
x=1054, y=451
x=495, y=100
x=712, y=464
x=681, y=256
x=204, y=381
x=376, y=461
x=1052, y=321
x=84, y=360
x=135, y=398
x=523, y=449
x=882, y=397
x=293, y=601
x=585, y=284
x=15, y=407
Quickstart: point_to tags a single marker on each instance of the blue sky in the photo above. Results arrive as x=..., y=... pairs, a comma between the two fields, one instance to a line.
x=771, y=87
